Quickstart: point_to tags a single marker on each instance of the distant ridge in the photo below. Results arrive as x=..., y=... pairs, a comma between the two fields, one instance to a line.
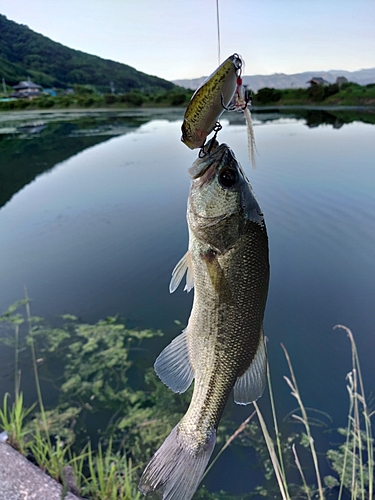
x=297, y=80
x=25, y=53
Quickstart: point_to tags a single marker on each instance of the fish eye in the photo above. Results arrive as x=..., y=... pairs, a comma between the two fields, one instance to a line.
x=228, y=177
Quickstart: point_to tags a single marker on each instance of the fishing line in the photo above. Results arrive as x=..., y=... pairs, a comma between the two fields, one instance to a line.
x=241, y=102
x=218, y=31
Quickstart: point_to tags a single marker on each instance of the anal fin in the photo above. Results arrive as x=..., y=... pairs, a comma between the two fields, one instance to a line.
x=173, y=365
x=250, y=386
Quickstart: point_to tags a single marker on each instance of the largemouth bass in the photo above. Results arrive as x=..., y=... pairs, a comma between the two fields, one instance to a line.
x=209, y=101
x=223, y=345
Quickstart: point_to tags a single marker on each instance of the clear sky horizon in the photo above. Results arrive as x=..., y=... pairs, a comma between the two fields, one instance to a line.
x=174, y=39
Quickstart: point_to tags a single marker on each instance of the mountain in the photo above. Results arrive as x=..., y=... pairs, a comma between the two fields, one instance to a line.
x=25, y=53
x=297, y=80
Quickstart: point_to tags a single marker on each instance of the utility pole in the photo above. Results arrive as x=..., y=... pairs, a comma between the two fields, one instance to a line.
x=4, y=87
x=112, y=85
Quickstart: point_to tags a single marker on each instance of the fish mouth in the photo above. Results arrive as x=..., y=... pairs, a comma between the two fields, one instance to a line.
x=203, y=171
x=205, y=168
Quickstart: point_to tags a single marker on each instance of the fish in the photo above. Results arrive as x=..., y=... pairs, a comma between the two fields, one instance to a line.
x=222, y=347
x=209, y=101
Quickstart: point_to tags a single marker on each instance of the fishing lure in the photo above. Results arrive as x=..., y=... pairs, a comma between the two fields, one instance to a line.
x=223, y=90
x=209, y=102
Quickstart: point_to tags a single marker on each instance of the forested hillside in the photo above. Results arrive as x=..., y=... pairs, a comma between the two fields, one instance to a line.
x=24, y=53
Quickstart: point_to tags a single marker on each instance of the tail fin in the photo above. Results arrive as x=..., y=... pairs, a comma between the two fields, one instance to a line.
x=176, y=469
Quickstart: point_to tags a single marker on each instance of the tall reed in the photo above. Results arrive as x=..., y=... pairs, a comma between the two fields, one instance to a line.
x=357, y=453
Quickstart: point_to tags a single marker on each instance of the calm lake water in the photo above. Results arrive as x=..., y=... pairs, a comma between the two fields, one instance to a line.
x=93, y=221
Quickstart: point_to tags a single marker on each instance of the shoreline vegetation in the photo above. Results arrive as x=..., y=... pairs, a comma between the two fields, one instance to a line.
x=86, y=97
x=89, y=365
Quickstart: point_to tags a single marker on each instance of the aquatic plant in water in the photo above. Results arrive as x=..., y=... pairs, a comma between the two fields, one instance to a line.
x=94, y=363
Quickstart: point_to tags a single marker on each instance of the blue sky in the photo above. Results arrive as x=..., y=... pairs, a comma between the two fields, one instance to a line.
x=178, y=38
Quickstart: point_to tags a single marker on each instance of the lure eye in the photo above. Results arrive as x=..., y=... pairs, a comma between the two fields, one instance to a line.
x=228, y=178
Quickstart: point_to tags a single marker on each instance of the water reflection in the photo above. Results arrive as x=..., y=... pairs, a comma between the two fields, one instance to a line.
x=313, y=117
x=32, y=145
x=48, y=138
x=310, y=116
x=32, y=142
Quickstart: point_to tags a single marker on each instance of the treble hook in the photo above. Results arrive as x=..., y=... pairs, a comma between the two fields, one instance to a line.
x=247, y=99
x=203, y=152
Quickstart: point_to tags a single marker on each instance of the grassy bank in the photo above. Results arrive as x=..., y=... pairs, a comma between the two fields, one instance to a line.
x=98, y=379
x=349, y=94
x=88, y=97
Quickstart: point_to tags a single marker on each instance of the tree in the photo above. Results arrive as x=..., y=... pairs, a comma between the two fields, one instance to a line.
x=267, y=95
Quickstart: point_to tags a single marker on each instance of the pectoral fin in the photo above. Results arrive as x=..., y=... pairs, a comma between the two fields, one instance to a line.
x=173, y=365
x=217, y=276
x=250, y=386
x=182, y=267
